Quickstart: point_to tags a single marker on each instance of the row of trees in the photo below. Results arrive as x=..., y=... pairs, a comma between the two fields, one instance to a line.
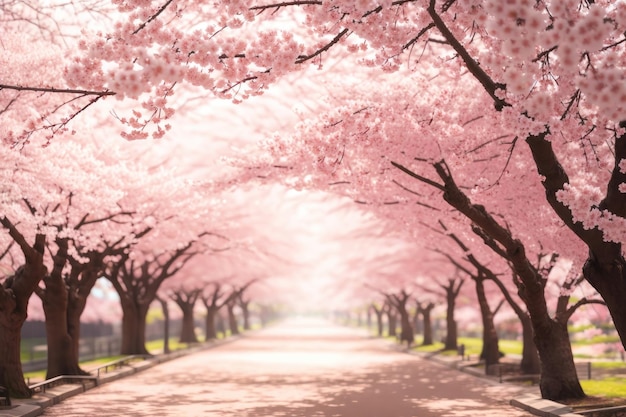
x=78, y=218
x=500, y=126
x=156, y=236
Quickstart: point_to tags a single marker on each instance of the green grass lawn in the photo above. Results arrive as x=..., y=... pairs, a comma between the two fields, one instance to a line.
x=155, y=347
x=610, y=387
x=86, y=365
x=473, y=346
x=437, y=346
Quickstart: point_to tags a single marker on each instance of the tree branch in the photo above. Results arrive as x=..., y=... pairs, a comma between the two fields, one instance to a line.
x=337, y=38
x=154, y=16
x=555, y=179
x=418, y=177
x=57, y=90
x=277, y=6
x=474, y=67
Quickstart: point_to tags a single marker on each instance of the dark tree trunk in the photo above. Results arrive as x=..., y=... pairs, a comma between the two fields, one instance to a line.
x=213, y=305
x=232, y=319
x=490, y=352
x=530, y=364
x=166, y=324
x=428, y=330
x=558, y=373
x=137, y=284
x=210, y=329
x=220, y=324
x=451, y=339
x=15, y=292
x=62, y=350
x=399, y=302
x=186, y=300
x=428, y=326
x=188, y=332
x=379, y=320
x=245, y=311
x=62, y=310
x=609, y=279
x=417, y=324
x=392, y=324
x=452, y=289
x=134, y=329
x=406, y=329
x=83, y=278
x=10, y=362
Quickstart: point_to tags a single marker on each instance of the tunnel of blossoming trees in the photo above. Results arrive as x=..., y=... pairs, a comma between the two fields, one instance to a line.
x=413, y=156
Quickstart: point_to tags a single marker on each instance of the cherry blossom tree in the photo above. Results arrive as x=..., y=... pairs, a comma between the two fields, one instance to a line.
x=63, y=217
x=186, y=300
x=378, y=308
x=399, y=302
x=214, y=298
x=136, y=280
x=425, y=309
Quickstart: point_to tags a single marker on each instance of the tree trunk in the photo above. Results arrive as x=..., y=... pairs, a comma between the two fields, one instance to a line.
x=134, y=329
x=558, y=372
x=392, y=323
x=428, y=326
x=490, y=351
x=76, y=306
x=10, y=362
x=62, y=312
x=166, y=325
x=406, y=329
x=62, y=348
x=530, y=363
x=450, y=342
x=379, y=321
x=232, y=320
x=15, y=291
x=417, y=324
x=530, y=357
x=399, y=301
x=188, y=333
x=81, y=282
x=246, y=314
x=610, y=282
x=220, y=324
x=210, y=330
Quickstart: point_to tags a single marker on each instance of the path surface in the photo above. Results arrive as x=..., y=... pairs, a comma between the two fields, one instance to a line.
x=300, y=368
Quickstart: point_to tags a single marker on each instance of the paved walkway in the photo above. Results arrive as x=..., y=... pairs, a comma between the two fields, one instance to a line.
x=299, y=368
